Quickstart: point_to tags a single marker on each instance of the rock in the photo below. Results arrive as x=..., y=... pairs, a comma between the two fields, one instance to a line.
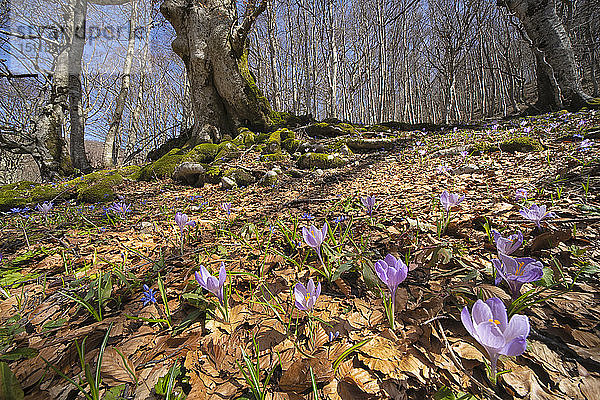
x=370, y=144
x=146, y=227
x=344, y=150
x=295, y=173
x=319, y=160
x=269, y=179
x=189, y=173
x=277, y=170
x=228, y=183
x=465, y=169
x=319, y=172
x=240, y=176
x=329, y=130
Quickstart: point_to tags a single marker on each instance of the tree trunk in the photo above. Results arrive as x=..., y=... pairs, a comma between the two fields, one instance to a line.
x=111, y=144
x=558, y=78
x=214, y=51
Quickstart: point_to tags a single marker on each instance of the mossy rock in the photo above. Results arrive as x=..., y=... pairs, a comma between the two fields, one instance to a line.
x=521, y=144
x=163, y=167
x=377, y=128
x=272, y=157
x=290, y=145
x=330, y=130
x=99, y=189
x=245, y=137
x=319, y=160
x=203, y=153
x=26, y=192
x=262, y=137
x=269, y=179
x=359, y=144
x=130, y=171
x=213, y=174
x=241, y=177
x=273, y=144
x=227, y=151
x=285, y=119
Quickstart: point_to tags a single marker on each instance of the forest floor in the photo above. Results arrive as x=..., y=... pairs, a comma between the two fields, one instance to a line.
x=80, y=275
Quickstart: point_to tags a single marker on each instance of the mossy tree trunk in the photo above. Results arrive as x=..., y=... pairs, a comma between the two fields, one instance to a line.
x=214, y=49
x=558, y=77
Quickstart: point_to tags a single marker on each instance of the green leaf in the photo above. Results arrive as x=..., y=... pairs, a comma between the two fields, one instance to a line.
x=114, y=393
x=369, y=276
x=547, y=278
x=53, y=324
x=446, y=393
x=10, y=388
x=18, y=354
x=341, y=269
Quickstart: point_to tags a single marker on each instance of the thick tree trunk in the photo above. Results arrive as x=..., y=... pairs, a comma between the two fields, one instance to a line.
x=215, y=54
x=558, y=77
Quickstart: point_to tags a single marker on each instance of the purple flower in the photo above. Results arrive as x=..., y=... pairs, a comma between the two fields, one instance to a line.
x=306, y=297
x=422, y=152
x=488, y=324
x=585, y=144
x=182, y=221
x=578, y=136
x=148, y=295
x=307, y=216
x=528, y=129
x=464, y=153
x=45, y=208
x=450, y=200
x=517, y=271
x=120, y=208
x=211, y=283
x=442, y=169
x=226, y=207
x=368, y=203
x=333, y=336
x=536, y=214
x=315, y=237
x=521, y=194
x=507, y=245
x=392, y=272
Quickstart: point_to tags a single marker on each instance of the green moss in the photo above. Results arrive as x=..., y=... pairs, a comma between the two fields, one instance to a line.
x=349, y=129
x=213, y=174
x=262, y=137
x=129, y=171
x=99, y=188
x=291, y=145
x=325, y=129
x=23, y=193
x=227, y=151
x=272, y=157
x=245, y=137
x=273, y=144
x=257, y=101
x=319, y=160
x=377, y=128
x=202, y=153
x=163, y=167
x=241, y=177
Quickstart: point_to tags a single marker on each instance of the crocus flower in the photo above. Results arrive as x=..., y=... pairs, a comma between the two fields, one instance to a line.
x=464, y=153
x=333, y=336
x=507, y=245
x=578, y=136
x=442, y=169
x=392, y=272
x=120, y=208
x=148, y=295
x=307, y=216
x=489, y=325
x=536, y=214
x=45, y=208
x=315, y=237
x=585, y=144
x=450, y=200
x=368, y=203
x=226, y=207
x=182, y=221
x=517, y=271
x=521, y=194
x=211, y=283
x=306, y=296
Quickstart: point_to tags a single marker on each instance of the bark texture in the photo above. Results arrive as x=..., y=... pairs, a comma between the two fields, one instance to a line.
x=215, y=53
x=558, y=75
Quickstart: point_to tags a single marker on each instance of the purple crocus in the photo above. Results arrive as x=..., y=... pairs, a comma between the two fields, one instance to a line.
x=536, y=214
x=45, y=208
x=507, y=245
x=521, y=194
x=182, y=221
x=464, y=153
x=226, y=207
x=443, y=169
x=585, y=144
x=148, y=295
x=369, y=203
x=306, y=296
x=211, y=283
x=314, y=237
x=489, y=325
x=517, y=271
x=120, y=208
x=392, y=272
x=450, y=200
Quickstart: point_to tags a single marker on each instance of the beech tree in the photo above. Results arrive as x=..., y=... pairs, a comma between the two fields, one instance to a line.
x=214, y=49
x=558, y=76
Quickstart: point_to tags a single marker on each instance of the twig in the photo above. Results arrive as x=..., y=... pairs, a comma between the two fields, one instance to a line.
x=458, y=365
x=301, y=201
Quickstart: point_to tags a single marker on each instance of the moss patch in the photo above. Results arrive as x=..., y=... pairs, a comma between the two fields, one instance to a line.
x=245, y=137
x=319, y=160
x=202, y=153
x=227, y=151
x=257, y=102
x=272, y=157
x=130, y=171
x=213, y=174
x=241, y=177
x=290, y=145
x=26, y=192
x=163, y=167
x=521, y=144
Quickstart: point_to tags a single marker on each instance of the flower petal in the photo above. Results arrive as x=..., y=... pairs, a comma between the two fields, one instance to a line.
x=490, y=336
x=465, y=317
x=498, y=311
x=515, y=347
x=481, y=312
x=517, y=327
x=222, y=274
x=300, y=293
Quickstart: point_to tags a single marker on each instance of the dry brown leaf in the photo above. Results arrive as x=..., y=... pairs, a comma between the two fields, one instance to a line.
x=363, y=380
x=116, y=367
x=297, y=377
